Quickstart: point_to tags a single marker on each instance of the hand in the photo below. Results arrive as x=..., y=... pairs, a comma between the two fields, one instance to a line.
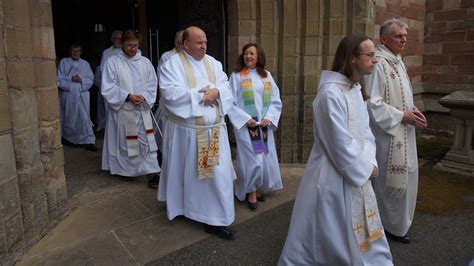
x=414, y=118
x=420, y=114
x=252, y=123
x=76, y=78
x=210, y=96
x=374, y=172
x=136, y=99
x=265, y=122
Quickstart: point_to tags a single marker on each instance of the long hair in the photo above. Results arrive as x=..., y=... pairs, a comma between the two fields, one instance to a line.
x=261, y=61
x=349, y=47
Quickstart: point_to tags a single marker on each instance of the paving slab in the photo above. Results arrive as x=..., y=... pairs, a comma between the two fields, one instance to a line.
x=157, y=236
x=91, y=219
x=103, y=249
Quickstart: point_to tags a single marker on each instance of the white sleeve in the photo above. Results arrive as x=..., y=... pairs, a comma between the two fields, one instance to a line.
x=385, y=116
x=347, y=156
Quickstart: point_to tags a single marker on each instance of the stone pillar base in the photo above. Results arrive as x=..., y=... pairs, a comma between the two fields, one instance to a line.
x=466, y=169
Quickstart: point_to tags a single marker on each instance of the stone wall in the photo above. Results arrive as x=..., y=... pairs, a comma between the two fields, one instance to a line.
x=449, y=55
x=300, y=38
x=32, y=183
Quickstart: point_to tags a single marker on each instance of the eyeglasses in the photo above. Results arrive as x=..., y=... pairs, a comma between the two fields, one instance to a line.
x=369, y=54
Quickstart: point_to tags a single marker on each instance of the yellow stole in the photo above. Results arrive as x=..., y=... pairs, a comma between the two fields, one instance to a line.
x=208, y=151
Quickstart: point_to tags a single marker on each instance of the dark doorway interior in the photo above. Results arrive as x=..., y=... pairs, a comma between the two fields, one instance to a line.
x=90, y=23
x=165, y=18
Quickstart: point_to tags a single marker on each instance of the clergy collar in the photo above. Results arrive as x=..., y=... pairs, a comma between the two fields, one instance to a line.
x=190, y=57
x=126, y=57
x=383, y=51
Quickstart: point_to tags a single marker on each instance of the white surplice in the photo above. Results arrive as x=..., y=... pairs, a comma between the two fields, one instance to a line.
x=115, y=155
x=255, y=172
x=74, y=98
x=160, y=116
x=164, y=57
x=101, y=104
x=209, y=200
x=341, y=161
x=396, y=212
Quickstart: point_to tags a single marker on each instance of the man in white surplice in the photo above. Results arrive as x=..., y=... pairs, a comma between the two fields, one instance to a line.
x=129, y=88
x=178, y=47
x=393, y=121
x=197, y=175
x=75, y=79
x=102, y=107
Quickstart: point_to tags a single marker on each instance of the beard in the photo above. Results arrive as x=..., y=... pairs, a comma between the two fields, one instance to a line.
x=130, y=53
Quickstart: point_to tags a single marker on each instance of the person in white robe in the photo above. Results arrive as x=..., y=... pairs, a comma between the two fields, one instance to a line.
x=75, y=78
x=160, y=116
x=394, y=118
x=129, y=87
x=255, y=117
x=114, y=49
x=335, y=218
x=178, y=47
x=197, y=173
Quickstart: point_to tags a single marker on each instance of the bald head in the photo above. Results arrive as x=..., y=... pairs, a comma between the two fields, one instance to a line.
x=195, y=42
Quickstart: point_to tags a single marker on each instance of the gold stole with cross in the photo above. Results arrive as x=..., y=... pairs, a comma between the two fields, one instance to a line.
x=208, y=151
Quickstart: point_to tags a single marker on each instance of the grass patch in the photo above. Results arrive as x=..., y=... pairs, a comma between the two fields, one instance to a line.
x=444, y=193
x=441, y=192
x=432, y=148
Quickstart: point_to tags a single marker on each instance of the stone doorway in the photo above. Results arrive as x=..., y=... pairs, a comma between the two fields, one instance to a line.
x=91, y=22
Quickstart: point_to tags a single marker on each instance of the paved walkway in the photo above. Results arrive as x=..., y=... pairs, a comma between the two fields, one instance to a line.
x=112, y=222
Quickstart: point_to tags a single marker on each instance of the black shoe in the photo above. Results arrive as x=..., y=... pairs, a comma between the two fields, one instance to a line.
x=402, y=239
x=91, y=147
x=126, y=178
x=153, y=180
x=67, y=142
x=252, y=205
x=220, y=231
x=261, y=198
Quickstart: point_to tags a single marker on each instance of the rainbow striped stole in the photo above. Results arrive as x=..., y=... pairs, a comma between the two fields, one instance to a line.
x=258, y=135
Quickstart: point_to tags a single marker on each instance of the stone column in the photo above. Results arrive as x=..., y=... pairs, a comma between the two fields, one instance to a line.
x=11, y=226
x=32, y=184
x=288, y=78
x=21, y=82
x=312, y=62
x=51, y=152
